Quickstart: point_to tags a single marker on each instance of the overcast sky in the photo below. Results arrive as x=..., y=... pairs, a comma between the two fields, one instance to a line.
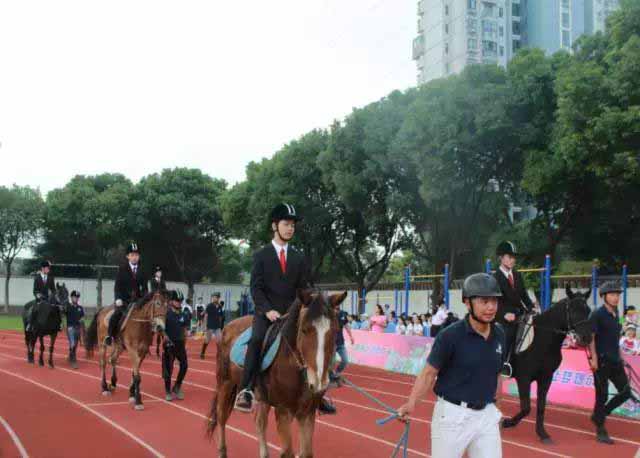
x=137, y=86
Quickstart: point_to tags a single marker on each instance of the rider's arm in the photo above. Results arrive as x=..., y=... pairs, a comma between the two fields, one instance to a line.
x=257, y=286
x=524, y=294
x=424, y=384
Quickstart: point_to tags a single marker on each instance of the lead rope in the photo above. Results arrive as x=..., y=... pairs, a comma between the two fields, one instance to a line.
x=403, y=442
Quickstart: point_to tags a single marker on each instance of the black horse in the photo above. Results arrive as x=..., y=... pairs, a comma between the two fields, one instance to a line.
x=46, y=322
x=543, y=357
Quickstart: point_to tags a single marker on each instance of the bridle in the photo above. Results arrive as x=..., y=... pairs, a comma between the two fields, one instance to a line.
x=571, y=329
x=152, y=313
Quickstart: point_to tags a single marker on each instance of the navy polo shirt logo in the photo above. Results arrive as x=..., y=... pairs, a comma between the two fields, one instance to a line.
x=499, y=349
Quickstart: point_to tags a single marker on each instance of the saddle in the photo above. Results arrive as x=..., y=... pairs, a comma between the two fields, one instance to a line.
x=270, y=346
x=524, y=334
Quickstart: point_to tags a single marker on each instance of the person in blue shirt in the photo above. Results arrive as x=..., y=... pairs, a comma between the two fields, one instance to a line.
x=174, y=347
x=605, y=359
x=214, y=320
x=75, y=314
x=464, y=369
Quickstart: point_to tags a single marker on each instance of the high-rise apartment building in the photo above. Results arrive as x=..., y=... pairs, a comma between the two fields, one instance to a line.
x=455, y=33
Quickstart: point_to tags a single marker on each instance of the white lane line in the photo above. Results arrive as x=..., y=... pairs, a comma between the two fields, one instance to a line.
x=426, y=401
x=390, y=380
x=153, y=451
x=14, y=437
x=229, y=427
x=120, y=403
x=177, y=406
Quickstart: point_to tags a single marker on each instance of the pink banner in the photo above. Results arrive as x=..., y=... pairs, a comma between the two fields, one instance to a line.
x=572, y=382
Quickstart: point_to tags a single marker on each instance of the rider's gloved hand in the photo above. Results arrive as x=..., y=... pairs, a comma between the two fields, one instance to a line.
x=118, y=302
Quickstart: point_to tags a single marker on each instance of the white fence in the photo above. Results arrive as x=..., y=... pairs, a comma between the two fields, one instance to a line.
x=21, y=291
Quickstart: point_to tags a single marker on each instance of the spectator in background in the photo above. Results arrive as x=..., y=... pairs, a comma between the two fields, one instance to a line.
x=187, y=314
x=415, y=327
x=401, y=329
x=364, y=322
x=353, y=322
x=157, y=283
x=427, y=321
x=630, y=316
x=451, y=318
x=379, y=320
x=629, y=344
x=200, y=307
x=214, y=317
x=393, y=318
x=438, y=319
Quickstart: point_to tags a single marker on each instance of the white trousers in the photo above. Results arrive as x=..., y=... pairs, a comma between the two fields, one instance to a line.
x=456, y=429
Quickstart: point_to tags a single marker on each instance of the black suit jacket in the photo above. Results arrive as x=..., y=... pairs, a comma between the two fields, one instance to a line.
x=47, y=289
x=129, y=287
x=512, y=298
x=158, y=286
x=270, y=288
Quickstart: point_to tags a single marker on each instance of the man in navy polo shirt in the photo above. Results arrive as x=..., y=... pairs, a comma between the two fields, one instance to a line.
x=75, y=313
x=467, y=358
x=174, y=347
x=605, y=359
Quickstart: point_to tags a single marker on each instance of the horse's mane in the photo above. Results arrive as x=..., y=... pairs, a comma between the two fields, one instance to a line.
x=290, y=326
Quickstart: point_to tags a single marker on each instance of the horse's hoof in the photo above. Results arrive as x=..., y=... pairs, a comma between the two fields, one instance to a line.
x=139, y=407
x=132, y=400
x=508, y=423
x=106, y=393
x=41, y=363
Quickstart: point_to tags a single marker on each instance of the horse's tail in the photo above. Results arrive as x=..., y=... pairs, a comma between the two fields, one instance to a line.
x=92, y=336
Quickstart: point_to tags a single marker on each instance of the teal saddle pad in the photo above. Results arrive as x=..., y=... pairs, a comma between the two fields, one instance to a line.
x=239, y=350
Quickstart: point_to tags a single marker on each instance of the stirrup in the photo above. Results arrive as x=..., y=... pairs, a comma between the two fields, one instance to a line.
x=240, y=398
x=507, y=370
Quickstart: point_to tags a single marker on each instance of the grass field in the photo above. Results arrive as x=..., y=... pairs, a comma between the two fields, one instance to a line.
x=10, y=322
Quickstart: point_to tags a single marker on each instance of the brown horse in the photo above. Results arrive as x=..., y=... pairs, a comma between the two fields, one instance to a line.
x=295, y=382
x=136, y=336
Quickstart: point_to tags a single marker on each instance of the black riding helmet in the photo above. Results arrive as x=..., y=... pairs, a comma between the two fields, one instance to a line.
x=133, y=248
x=610, y=287
x=506, y=248
x=284, y=212
x=157, y=269
x=75, y=293
x=480, y=285
x=44, y=264
x=176, y=295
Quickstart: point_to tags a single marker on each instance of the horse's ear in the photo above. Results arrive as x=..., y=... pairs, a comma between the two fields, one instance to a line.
x=304, y=295
x=587, y=295
x=569, y=292
x=337, y=299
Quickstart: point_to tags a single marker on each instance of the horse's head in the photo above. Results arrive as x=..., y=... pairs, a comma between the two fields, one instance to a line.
x=157, y=304
x=62, y=294
x=577, y=316
x=317, y=327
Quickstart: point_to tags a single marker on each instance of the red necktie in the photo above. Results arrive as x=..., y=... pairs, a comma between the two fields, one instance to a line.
x=511, y=281
x=283, y=261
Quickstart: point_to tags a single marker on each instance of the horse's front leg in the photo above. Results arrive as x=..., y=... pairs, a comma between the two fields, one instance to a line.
x=543, y=389
x=41, y=358
x=262, y=420
x=284, y=419
x=52, y=343
x=307, y=425
x=524, y=388
x=136, y=360
x=115, y=354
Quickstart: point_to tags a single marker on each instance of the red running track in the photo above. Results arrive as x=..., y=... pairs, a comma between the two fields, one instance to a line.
x=60, y=412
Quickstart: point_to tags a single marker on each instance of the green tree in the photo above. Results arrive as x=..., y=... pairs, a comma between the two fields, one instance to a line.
x=21, y=222
x=176, y=218
x=456, y=152
x=358, y=167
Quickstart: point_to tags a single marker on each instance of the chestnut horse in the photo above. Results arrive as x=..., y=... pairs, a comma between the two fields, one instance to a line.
x=136, y=336
x=296, y=380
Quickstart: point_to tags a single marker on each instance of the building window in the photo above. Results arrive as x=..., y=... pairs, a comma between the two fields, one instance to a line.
x=501, y=51
x=471, y=43
x=516, y=45
x=566, y=39
x=501, y=31
x=446, y=28
x=446, y=48
x=515, y=9
x=446, y=10
x=446, y=68
x=471, y=4
x=565, y=4
x=500, y=12
x=565, y=19
x=515, y=28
